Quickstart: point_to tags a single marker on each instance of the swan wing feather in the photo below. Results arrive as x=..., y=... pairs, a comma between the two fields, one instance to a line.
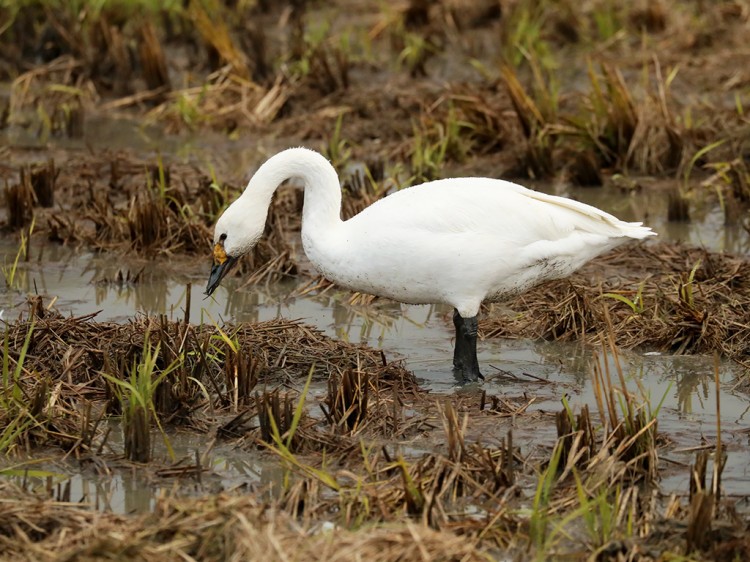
x=498, y=208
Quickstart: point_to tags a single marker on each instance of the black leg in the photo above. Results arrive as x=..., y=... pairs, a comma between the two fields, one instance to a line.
x=465, y=360
x=471, y=363
x=458, y=350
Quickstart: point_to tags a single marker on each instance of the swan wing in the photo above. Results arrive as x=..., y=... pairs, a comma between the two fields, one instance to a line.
x=491, y=207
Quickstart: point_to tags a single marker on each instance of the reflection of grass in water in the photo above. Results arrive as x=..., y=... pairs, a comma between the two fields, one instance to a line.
x=348, y=308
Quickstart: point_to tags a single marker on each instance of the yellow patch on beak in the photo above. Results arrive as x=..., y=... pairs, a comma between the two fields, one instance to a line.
x=220, y=256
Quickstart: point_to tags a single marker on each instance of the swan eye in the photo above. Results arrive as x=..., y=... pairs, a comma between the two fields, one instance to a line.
x=223, y=237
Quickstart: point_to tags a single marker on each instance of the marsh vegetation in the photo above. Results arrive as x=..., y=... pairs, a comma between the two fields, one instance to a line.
x=127, y=127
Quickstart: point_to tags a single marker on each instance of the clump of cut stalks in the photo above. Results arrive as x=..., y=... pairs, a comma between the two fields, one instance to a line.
x=629, y=425
x=224, y=526
x=159, y=218
x=437, y=142
x=19, y=202
x=612, y=129
x=347, y=399
x=666, y=297
x=535, y=117
x=137, y=391
x=158, y=371
x=360, y=189
x=40, y=181
x=320, y=61
x=626, y=133
x=453, y=127
x=731, y=180
x=282, y=422
x=36, y=189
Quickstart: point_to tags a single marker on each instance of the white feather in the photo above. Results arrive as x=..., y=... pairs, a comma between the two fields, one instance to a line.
x=457, y=241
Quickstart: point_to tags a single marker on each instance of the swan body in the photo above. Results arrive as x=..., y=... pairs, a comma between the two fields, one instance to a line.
x=458, y=241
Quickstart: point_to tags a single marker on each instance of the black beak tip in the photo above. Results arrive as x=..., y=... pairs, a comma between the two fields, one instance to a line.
x=218, y=272
x=214, y=278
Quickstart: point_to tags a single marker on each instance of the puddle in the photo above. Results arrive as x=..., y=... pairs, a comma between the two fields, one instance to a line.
x=123, y=489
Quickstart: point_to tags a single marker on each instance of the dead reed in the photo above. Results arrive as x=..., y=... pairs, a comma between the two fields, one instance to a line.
x=595, y=485
x=167, y=372
x=226, y=526
x=669, y=297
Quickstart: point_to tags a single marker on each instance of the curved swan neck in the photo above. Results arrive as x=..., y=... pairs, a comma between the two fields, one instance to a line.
x=322, y=202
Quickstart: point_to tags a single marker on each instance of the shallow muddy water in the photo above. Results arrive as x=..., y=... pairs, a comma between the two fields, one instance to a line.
x=123, y=489
x=421, y=335
x=81, y=283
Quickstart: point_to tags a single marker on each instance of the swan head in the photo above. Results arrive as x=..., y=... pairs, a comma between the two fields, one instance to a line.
x=236, y=233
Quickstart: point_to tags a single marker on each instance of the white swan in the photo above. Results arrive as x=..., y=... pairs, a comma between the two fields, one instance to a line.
x=456, y=241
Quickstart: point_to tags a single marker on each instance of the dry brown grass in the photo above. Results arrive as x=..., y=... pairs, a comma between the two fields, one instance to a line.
x=684, y=300
x=463, y=498
x=210, y=370
x=224, y=527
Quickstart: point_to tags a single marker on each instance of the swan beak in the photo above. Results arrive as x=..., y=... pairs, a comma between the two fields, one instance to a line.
x=222, y=264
